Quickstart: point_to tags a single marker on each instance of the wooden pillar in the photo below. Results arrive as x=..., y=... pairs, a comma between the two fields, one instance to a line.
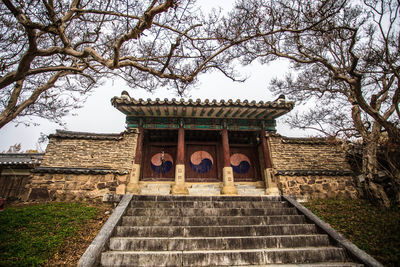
x=179, y=188
x=133, y=185
x=270, y=184
x=227, y=171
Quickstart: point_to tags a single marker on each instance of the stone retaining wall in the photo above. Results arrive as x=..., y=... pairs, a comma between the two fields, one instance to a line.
x=314, y=187
x=75, y=187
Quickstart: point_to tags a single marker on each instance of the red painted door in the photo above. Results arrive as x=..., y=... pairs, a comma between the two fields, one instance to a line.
x=244, y=162
x=201, y=163
x=159, y=163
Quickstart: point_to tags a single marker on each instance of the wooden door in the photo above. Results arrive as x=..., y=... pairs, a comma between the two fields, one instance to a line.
x=244, y=162
x=201, y=163
x=159, y=163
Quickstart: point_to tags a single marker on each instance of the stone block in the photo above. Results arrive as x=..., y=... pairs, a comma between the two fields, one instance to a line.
x=101, y=185
x=39, y=193
x=121, y=189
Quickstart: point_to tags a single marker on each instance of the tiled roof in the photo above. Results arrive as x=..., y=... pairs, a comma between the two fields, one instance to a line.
x=78, y=170
x=14, y=159
x=202, y=109
x=310, y=141
x=313, y=173
x=83, y=135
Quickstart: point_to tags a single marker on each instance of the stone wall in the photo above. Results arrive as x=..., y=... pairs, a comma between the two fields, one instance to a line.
x=314, y=187
x=86, y=150
x=12, y=186
x=75, y=187
x=83, y=166
x=307, y=154
x=311, y=168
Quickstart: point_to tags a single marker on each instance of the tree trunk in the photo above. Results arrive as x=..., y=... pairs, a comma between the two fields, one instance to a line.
x=374, y=192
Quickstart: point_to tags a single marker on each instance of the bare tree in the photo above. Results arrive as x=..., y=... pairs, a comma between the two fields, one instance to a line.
x=347, y=64
x=52, y=53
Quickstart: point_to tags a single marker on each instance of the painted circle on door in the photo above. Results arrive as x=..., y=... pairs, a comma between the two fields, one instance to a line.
x=201, y=161
x=161, y=164
x=240, y=163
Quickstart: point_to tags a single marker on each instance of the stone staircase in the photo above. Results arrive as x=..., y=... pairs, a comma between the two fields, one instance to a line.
x=201, y=189
x=218, y=231
x=250, y=190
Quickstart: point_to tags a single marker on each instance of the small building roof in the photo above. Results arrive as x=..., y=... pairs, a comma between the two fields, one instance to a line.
x=202, y=109
x=20, y=159
x=83, y=135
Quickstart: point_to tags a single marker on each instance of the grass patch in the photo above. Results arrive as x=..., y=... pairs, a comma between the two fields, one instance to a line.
x=373, y=229
x=30, y=235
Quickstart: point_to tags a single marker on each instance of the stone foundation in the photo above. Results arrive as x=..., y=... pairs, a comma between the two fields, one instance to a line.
x=314, y=187
x=74, y=187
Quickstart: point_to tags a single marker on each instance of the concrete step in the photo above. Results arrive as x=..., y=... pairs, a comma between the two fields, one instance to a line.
x=209, y=212
x=211, y=220
x=216, y=243
x=316, y=264
x=208, y=204
x=156, y=189
x=218, y=231
x=223, y=257
x=204, y=190
x=206, y=198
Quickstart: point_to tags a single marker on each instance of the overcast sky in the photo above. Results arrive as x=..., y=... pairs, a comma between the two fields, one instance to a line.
x=99, y=116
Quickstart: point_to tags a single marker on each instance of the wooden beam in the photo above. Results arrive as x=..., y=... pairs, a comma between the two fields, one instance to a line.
x=244, y=113
x=150, y=111
x=158, y=111
x=202, y=112
x=180, y=157
x=267, y=159
x=139, y=146
x=228, y=112
x=236, y=112
x=252, y=113
x=221, y=110
x=261, y=114
x=141, y=112
x=225, y=147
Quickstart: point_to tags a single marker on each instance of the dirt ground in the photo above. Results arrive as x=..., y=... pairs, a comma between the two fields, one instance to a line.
x=75, y=246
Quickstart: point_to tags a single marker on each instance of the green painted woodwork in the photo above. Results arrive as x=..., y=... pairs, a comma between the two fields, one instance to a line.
x=200, y=123
x=236, y=113
x=270, y=114
x=210, y=112
x=150, y=111
x=244, y=113
x=228, y=112
x=141, y=112
x=252, y=113
x=261, y=114
x=219, y=112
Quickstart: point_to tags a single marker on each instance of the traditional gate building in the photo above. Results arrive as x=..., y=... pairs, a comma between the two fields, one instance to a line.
x=198, y=141
x=172, y=146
